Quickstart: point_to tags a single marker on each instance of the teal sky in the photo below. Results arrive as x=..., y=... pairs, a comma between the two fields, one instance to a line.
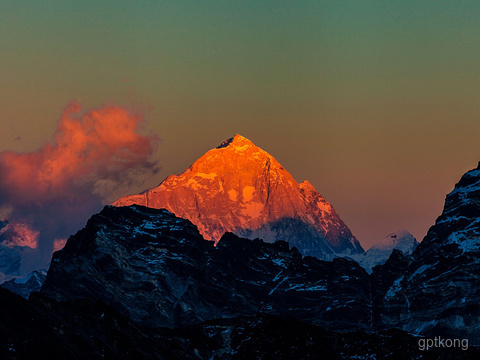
x=377, y=103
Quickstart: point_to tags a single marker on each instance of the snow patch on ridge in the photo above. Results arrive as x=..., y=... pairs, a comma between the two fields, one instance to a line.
x=252, y=209
x=464, y=242
x=206, y=176
x=232, y=194
x=194, y=181
x=248, y=193
x=394, y=289
x=241, y=148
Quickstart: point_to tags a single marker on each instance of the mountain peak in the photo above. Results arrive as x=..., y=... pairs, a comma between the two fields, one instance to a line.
x=236, y=141
x=400, y=240
x=240, y=188
x=381, y=251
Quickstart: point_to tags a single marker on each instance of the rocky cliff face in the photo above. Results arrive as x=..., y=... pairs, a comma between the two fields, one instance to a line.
x=157, y=269
x=239, y=188
x=439, y=290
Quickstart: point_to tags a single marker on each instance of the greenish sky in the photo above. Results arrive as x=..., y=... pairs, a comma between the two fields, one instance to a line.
x=375, y=102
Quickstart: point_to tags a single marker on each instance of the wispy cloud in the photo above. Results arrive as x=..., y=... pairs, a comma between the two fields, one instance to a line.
x=55, y=189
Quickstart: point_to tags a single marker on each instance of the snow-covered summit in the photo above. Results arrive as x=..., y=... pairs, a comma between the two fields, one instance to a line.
x=400, y=240
x=238, y=187
x=380, y=252
x=237, y=140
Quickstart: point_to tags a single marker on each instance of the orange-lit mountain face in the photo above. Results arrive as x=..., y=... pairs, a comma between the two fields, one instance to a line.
x=240, y=188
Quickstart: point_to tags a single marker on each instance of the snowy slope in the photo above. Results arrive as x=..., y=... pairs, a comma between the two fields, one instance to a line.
x=379, y=253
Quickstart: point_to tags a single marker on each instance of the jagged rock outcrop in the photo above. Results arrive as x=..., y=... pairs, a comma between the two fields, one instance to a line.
x=158, y=270
x=237, y=187
x=439, y=292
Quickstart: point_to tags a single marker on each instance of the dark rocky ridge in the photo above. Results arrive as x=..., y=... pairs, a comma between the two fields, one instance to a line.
x=158, y=270
x=42, y=328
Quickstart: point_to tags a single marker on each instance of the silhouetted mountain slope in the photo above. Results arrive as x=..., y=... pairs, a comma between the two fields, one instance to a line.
x=42, y=328
x=157, y=269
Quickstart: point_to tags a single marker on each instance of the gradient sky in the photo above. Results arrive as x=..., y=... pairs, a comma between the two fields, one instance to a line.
x=376, y=103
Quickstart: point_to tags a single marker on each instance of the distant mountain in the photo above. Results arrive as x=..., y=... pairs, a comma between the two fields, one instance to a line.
x=18, y=261
x=26, y=285
x=239, y=188
x=19, y=257
x=379, y=253
x=20, y=271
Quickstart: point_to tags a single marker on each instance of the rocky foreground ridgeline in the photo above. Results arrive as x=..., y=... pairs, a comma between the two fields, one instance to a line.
x=158, y=270
x=42, y=328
